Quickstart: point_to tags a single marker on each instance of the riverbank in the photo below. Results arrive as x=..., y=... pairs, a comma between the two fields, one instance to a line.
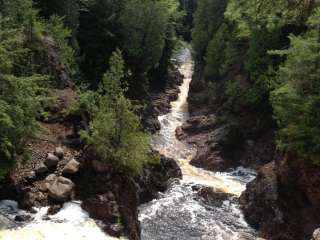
x=60, y=170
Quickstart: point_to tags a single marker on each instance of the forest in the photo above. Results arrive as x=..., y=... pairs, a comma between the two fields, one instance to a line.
x=264, y=56
x=138, y=41
x=88, y=87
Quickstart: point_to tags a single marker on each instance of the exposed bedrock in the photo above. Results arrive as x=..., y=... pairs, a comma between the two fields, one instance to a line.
x=284, y=200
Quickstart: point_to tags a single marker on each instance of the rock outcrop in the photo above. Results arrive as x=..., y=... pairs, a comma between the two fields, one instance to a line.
x=284, y=200
x=154, y=178
x=160, y=101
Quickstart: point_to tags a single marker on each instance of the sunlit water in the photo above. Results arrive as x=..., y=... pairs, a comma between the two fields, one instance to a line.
x=179, y=213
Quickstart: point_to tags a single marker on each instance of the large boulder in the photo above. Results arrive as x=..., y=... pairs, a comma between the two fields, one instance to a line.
x=51, y=160
x=102, y=207
x=71, y=167
x=61, y=189
x=155, y=178
x=41, y=169
x=260, y=202
x=211, y=196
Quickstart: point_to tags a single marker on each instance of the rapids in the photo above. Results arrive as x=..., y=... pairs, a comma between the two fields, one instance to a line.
x=179, y=213
x=70, y=223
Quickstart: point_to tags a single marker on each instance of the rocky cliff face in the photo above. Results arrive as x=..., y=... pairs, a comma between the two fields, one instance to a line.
x=284, y=200
x=225, y=137
x=159, y=102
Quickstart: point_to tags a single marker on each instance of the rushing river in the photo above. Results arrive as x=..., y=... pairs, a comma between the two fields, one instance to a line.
x=179, y=213
x=70, y=223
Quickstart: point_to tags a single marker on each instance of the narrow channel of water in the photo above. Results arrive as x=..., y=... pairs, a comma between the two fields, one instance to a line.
x=180, y=213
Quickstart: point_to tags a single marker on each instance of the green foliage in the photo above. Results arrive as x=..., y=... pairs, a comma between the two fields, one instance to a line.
x=253, y=14
x=21, y=88
x=56, y=28
x=115, y=131
x=207, y=20
x=296, y=99
x=216, y=53
x=238, y=43
x=144, y=31
x=68, y=9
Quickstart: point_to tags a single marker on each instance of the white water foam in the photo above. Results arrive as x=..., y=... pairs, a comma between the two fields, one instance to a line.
x=70, y=223
x=179, y=213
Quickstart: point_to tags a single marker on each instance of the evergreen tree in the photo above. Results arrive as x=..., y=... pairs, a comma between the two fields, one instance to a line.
x=115, y=131
x=296, y=99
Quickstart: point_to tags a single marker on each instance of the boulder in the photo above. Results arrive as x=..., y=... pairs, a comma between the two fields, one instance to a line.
x=210, y=196
x=51, y=178
x=260, y=202
x=54, y=209
x=61, y=189
x=316, y=234
x=31, y=176
x=46, y=183
x=101, y=207
x=59, y=152
x=30, y=199
x=51, y=160
x=72, y=167
x=22, y=218
x=155, y=178
x=41, y=169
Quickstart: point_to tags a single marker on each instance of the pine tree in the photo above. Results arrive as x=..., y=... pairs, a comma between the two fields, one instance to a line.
x=115, y=131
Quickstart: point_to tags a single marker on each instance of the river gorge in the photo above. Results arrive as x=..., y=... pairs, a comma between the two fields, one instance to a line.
x=180, y=213
x=201, y=206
